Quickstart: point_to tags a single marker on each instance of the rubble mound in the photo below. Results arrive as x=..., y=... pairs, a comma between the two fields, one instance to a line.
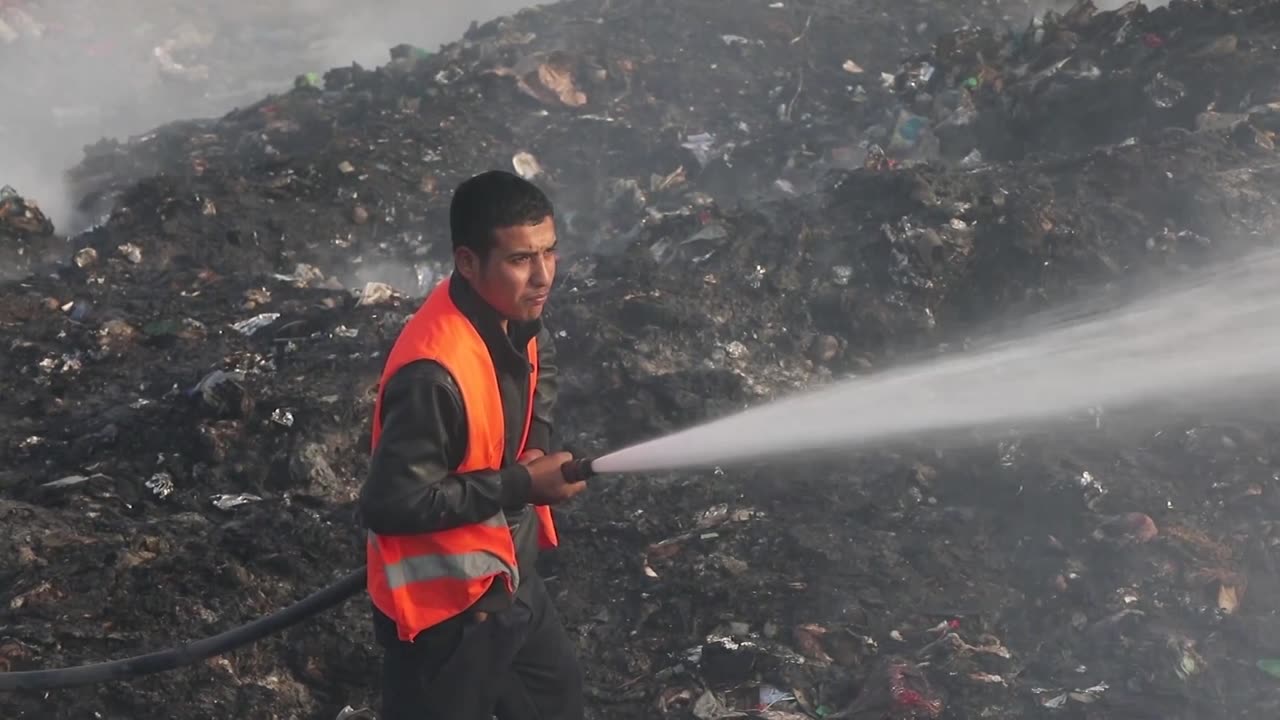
x=26, y=235
x=1072, y=81
x=748, y=207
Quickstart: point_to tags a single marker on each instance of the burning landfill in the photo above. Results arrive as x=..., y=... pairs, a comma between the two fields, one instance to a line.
x=754, y=197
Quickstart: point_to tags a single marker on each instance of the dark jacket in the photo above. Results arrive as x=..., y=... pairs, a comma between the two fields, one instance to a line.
x=411, y=487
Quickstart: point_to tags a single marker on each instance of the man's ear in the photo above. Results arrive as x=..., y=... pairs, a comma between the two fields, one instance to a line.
x=467, y=263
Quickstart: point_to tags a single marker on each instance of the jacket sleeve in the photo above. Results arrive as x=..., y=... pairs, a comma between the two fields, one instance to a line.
x=411, y=487
x=542, y=427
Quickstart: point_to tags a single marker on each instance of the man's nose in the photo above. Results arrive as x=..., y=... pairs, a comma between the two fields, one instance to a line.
x=543, y=268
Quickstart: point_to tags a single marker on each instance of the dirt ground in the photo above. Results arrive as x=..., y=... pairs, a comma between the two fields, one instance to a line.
x=754, y=198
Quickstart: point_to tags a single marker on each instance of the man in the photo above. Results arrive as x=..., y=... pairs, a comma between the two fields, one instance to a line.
x=462, y=449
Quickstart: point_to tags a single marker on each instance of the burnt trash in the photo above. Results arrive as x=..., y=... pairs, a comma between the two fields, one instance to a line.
x=222, y=394
x=752, y=199
x=27, y=237
x=21, y=217
x=1127, y=529
x=727, y=663
x=226, y=502
x=896, y=689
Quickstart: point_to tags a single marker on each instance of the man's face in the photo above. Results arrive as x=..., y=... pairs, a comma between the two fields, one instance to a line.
x=515, y=278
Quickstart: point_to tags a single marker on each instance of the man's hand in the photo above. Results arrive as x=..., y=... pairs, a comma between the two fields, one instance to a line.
x=547, y=484
x=529, y=456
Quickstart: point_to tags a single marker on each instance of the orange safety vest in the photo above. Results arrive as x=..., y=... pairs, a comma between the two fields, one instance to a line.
x=422, y=580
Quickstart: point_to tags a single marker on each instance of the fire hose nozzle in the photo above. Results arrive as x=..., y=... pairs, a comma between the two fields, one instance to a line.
x=576, y=471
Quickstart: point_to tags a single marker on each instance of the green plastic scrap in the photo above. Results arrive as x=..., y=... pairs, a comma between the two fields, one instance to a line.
x=1270, y=666
x=161, y=328
x=311, y=79
x=405, y=51
x=971, y=82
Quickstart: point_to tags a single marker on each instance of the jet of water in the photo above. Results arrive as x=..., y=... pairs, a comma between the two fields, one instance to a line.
x=1206, y=341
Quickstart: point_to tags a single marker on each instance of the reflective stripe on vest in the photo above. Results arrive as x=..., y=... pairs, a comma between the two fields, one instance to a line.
x=422, y=580
x=474, y=564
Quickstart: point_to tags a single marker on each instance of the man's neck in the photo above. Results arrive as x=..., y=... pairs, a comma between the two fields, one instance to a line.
x=480, y=303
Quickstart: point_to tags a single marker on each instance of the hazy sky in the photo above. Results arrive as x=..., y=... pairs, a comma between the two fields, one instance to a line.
x=83, y=70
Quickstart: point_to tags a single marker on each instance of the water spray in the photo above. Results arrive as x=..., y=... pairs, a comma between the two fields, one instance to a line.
x=622, y=461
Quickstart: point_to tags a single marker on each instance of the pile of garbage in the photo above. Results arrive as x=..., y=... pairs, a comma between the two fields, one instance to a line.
x=1070, y=81
x=26, y=235
x=187, y=390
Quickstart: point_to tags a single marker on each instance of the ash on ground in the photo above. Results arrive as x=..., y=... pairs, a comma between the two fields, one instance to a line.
x=757, y=197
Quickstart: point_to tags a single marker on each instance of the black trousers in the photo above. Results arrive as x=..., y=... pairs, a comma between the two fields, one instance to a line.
x=517, y=664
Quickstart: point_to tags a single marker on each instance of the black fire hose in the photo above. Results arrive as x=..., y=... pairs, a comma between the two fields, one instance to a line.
x=164, y=660
x=190, y=653
x=577, y=470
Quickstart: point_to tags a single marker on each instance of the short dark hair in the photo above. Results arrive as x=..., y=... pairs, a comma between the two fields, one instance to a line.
x=492, y=200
